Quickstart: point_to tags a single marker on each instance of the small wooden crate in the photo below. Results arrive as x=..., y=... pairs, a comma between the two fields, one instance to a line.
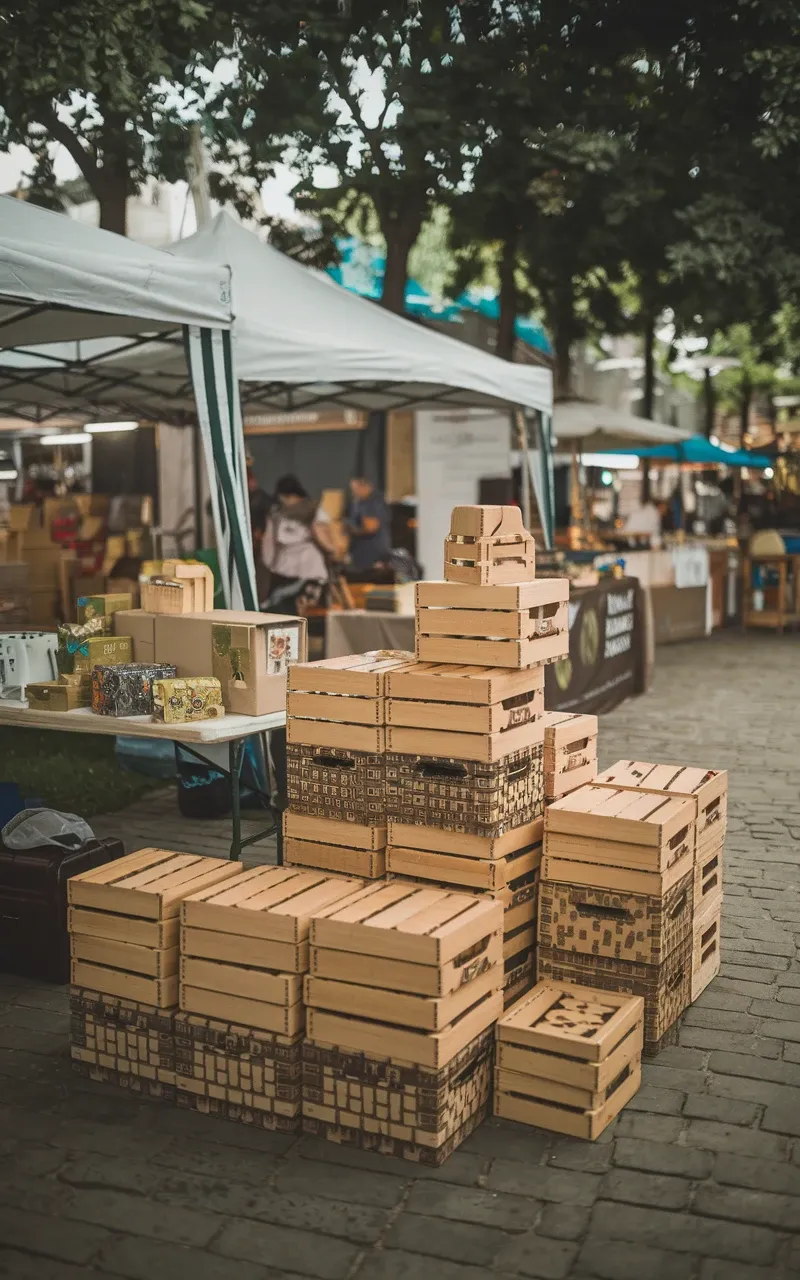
x=469, y=873
x=409, y=835
x=337, y=782
x=397, y=1108
x=415, y=979
x=707, y=877
x=366, y=864
x=124, y=922
x=248, y=1069
x=708, y=788
x=622, y=831
x=570, y=752
x=468, y=712
x=666, y=988
x=180, y=588
x=519, y=976
x=488, y=545
x=473, y=797
x=568, y=1058
x=327, y=735
x=619, y=925
x=706, y=945
x=513, y=627
x=344, y=832
x=357, y=675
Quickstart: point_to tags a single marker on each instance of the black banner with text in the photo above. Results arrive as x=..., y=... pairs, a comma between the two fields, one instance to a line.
x=606, y=649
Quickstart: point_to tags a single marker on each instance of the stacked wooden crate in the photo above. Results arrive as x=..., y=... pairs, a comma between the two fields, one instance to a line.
x=570, y=752
x=336, y=743
x=464, y=760
x=707, y=789
x=244, y=951
x=123, y=920
x=568, y=1058
x=616, y=898
x=405, y=985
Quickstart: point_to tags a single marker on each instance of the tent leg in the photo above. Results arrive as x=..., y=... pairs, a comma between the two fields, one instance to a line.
x=197, y=477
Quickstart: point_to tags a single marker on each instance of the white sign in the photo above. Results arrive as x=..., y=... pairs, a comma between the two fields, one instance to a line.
x=454, y=450
x=691, y=566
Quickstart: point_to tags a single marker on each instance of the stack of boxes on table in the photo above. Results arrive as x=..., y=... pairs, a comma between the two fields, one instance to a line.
x=176, y=659
x=359, y=988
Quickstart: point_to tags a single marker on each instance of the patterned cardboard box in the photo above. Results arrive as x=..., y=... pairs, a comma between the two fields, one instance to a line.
x=466, y=795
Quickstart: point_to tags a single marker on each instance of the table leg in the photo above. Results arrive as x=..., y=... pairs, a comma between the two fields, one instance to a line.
x=277, y=744
x=235, y=753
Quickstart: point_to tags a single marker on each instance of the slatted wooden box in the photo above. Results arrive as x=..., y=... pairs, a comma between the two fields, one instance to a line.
x=620, y=925
x=465, y=796
x=254, y=1076
x=510, y=626
x=487, y=875
x=243, y=950
x=708, y=877
x=570, y=752
x=706, y=945
x=326, y=844
x=473, y=713
x=337, y=782
x=666, y=988
x=519, y=976
x=488, y=545
x=619, y=840
x=123, y=921
x=341, y=691
x=708, y=788
x=568, y=1058
x=425, y=933
x=398, y=1108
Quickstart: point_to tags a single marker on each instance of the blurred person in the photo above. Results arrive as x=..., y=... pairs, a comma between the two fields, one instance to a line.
x=294, y=548
x=368, y=523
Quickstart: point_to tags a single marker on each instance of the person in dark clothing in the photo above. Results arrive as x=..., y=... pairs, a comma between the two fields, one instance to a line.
x=368, y=521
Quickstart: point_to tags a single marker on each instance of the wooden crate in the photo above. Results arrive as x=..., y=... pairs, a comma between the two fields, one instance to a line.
x=153, y=962
x=581, y=867
x=707, y=876
x=519, y=977
x=150, y=884
x=367, y=864
x=488, y=545
x=414, y=979
x=471, y=873
x=482, y=627
x=708, y=788
x=570, y=752
x=348, y=834
x=666, y=988
x=468, y=796
x=337, y=783
x=568, y=1058
x=620, y=925
x=487, y=747
x=161, y=993
x=324, y=735
x=357, y=675
x=423, y=1013
x=706, y=945
x=618, y=828
x=519, y=942
x=116, y=928
x=409, y=835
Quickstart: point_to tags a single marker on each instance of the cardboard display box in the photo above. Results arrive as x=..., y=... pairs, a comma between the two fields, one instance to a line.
x=52, y=695
x=666, y=988
x=374, y=1103
x=620, y=925
x=513, y=626
x=337, y=782
x=479, y=798
x=141, y=627
x=568, y=1058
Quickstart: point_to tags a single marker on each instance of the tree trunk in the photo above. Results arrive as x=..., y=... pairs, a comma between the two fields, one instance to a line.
x=400, y=233
x=649, y=345
x=563, y=327
x=113, y=180
x=744, y=411
x=113, y=206
x=709, y=401
x=508, y=298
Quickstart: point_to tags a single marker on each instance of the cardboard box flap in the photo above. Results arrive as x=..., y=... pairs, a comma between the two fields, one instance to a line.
x=241, y=637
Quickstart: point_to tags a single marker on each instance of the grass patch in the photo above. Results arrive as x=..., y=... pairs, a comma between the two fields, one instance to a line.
x=77, y=773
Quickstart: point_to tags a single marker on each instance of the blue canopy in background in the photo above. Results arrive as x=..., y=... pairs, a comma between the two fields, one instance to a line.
x=698, y=449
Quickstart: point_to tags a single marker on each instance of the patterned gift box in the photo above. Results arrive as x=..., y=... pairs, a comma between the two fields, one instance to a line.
x=127, y=690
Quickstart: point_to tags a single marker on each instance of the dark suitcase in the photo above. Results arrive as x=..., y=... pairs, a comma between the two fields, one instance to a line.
x=33, y=905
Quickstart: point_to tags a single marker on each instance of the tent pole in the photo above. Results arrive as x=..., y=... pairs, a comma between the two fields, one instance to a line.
x=522, y=442
x=197, y=477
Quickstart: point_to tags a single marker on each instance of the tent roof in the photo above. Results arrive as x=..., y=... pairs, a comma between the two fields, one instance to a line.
x=597, y=427
x=699, y=450
x=301, y=342
x=61, y=279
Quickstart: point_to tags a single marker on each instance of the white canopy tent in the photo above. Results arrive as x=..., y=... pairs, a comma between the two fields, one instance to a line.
x=301, y=342
x=67, y=289
x=595, y=427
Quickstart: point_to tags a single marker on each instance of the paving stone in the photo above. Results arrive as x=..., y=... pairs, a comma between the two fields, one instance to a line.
x=16, y=1265
x=766, y=1175
x=662, y=1157
x=49, y=1236
x=720, y=1020
x=439, y=1238
x=513, y=1141
x=771, y=1009
x=616, y=1260
x=336, y=1183
x=782, y=1118
x=487, y=1208
x=398, y=1264
x=714, y=1269
x=713, y=998
x=304, y=1252
x=138, y=1259
x=663, y=1102
x=703, y=1106
x=586, y=1157
x=563, y=1221
x=631, y=1124
x=749, y=970
x=631, y=1187
x=740, y=1204
x=532, y=1255
x=464, y=1168
x=704, y=1038
x=561, y=1185
x=350, y=1157
x=677, y=1055
x=743, y=1064
x=764, y=1091
x=783, y=1030
x=684, y=1233
x=19, y=1015
x=139, y=1216
x=788, y=995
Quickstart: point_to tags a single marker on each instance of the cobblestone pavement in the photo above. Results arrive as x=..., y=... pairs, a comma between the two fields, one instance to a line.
x=698, y=1179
